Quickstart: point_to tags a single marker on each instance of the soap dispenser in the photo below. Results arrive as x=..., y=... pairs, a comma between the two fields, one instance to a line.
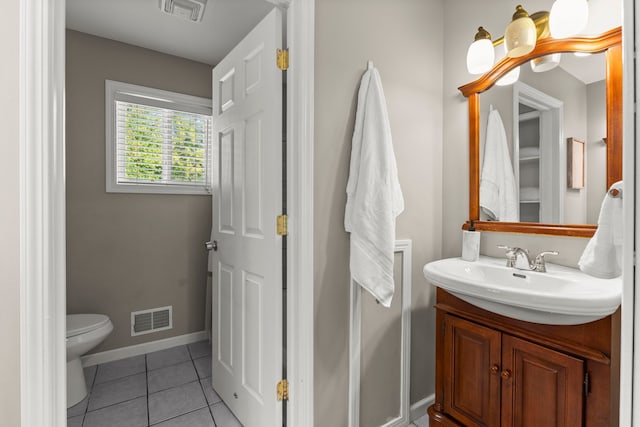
x=470, y=243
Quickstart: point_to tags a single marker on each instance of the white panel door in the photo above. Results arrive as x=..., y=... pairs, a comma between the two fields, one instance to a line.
x=247, y=197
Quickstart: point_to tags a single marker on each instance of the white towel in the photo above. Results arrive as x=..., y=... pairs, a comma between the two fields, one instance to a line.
x=603, y=255
x=374, y=197
x=498, y=196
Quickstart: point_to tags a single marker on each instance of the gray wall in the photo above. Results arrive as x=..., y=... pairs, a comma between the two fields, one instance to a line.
x=128, y=252
x=404, y=39
x=596, y=150
x=10, y=216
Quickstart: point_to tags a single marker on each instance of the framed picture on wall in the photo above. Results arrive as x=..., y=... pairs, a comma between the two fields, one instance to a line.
x=575, y=163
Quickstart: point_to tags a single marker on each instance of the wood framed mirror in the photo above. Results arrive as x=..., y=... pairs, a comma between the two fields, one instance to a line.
x=610, y=45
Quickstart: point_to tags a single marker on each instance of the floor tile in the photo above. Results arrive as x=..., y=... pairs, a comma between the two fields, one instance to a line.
x=78, y=408
x=90, y=375
x=117, y=391
x=203, y=366
x=171, y=376
x=200, y=349
x=423, y=421
x=168, y=357
x=209, y=392
x=75, y=421
x=223, y=416
x=175, y=401
x=127, y=414
x=120, y=369
x=199, y=418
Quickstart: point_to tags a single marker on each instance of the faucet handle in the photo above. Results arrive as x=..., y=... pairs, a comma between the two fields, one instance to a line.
x=510, y=254
x=539, y=264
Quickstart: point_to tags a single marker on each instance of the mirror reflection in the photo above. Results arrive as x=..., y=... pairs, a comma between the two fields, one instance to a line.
x=543, y=142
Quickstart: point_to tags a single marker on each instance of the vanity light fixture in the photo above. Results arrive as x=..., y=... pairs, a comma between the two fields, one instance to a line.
x=545, y=63
x=510, y=78
x=568, y=18
x=520, y=35
x=480, y=55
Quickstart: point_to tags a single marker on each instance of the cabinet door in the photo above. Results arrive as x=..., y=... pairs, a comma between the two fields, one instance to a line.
x=540, y=386
x=471, y=372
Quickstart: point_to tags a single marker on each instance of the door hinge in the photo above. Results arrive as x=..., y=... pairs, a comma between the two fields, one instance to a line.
x=282, y=226
x=283, y=390
x=587, y=384
x=283, y=59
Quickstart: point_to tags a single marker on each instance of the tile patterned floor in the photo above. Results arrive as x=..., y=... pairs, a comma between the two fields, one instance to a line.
x=420, y=422
x=168, y=388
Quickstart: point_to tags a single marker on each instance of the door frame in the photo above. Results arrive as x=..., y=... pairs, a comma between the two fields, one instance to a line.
x=42, y=212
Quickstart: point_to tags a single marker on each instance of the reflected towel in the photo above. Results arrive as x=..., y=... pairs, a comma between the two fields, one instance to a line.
x=374, y=197
x=498, y=195
x=603, y=255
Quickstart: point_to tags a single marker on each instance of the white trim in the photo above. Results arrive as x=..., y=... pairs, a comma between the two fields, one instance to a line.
x=630, y=322
x=552, y=152
x=355, y=314
x=355, y=333
x=43, y=368
x=42, y=212
x=144, y=348
x=300, y=277
x=419, y=409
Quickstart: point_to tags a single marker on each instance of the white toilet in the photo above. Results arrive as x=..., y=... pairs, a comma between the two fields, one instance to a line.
x=84, y=332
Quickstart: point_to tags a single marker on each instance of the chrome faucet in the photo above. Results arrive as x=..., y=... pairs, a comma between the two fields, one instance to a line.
x=538, y=264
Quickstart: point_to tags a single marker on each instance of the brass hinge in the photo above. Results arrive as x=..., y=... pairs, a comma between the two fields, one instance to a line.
x=283, y=390
x=283, y=59
x=282, y=225
x=587, y=384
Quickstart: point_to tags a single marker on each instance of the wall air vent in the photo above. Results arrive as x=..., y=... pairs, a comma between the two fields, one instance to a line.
x=191, y=10
x=153, y=320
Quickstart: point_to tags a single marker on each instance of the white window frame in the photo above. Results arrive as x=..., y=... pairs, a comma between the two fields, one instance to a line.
x=119, y=91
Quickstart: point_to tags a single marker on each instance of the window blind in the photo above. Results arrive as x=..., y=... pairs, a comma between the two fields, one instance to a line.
x=161, y=146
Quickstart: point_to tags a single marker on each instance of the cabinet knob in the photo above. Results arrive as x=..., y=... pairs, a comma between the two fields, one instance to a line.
x=506, y=374
x=495, y=369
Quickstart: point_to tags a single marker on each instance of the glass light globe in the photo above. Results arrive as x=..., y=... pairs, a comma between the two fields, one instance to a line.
x=520, y=35
x=510, y=78
x=568, y=18
x=545, y=63
x=480, y=56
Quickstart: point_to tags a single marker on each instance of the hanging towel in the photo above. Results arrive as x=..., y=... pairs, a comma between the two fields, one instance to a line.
x=603, y=255
x=498, y=195
x=374, y=197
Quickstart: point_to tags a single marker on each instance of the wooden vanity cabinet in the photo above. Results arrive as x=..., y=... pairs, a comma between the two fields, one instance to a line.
x=496, y=371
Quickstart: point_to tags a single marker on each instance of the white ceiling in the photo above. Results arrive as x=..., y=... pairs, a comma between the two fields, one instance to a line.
x=142, y=23
x=588, y=69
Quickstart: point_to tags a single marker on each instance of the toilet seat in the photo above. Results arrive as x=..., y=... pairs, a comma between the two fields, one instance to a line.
x=78, y=324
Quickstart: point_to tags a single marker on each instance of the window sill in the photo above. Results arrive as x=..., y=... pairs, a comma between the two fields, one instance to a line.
x=158, y=189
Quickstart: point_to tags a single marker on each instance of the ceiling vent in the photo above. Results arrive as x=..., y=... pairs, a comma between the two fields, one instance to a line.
x=191, y=10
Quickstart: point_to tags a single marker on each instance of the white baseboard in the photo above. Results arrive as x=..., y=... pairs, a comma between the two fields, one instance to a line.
x=138, y=349
x=419, y=409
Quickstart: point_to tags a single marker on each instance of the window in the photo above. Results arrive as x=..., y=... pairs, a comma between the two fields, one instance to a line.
x=157, y=141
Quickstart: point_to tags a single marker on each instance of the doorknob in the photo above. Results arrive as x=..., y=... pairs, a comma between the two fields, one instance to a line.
x=211, y=245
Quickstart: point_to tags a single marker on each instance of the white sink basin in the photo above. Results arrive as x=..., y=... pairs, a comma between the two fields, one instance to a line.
x=561, y=296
